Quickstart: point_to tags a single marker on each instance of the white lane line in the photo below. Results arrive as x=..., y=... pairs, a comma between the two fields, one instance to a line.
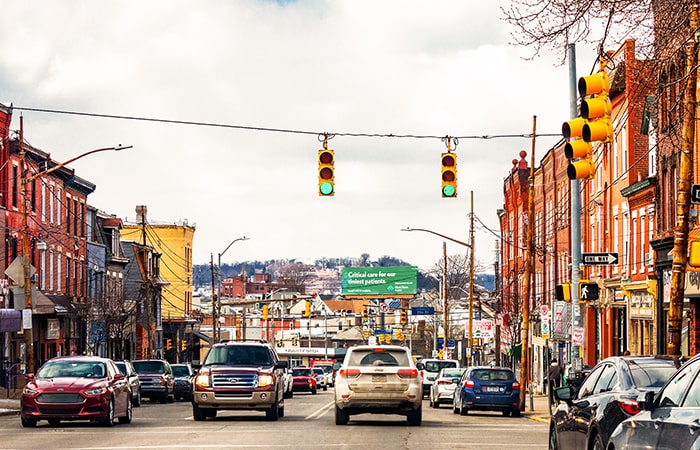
x=319, y=412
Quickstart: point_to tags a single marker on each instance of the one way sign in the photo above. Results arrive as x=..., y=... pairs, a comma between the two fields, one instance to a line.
x=599, y=258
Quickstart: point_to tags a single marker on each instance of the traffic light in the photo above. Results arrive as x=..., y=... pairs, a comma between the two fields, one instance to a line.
x=596, y=107
x=326, y=173
x=295, y=341
x=365, y=315
x=563, y=292
x=307, y=312
x=183, y=345
x=168, y=343
x=404, y=317
x=578, y=151
x=265, y=312
x=449, y=174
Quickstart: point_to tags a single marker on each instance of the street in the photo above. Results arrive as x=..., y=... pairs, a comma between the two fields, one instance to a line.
x=308, y=423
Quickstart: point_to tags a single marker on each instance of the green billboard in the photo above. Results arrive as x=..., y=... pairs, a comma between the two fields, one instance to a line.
x=379, y=281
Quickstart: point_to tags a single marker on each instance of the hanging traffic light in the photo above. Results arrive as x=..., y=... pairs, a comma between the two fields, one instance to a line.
x=168, y=343
x=365, y=315
x=596, y=108
x=326, y=173
x=307, y=311
x=578, y=151
x=265, y=309
x=404, y=317
x=448, y=161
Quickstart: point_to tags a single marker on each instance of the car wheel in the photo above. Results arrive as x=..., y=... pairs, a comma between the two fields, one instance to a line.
x=54, y=422
x=273, y=413
x=341, y=417
x=170, y=398
x=553, y=444
x=415, y=417
x=291, y=393
x=463, y=411
x=454, y=407
x=598, y=443
x=313, y=391
x=108, y=420
x=163, y=398
x=505, y=413
x=325, y=388
x=28, y=423
x=126, y=418
x=210, y=413
x=430, y=402
x=198, y=413
x=515, y=413
x=136, y=401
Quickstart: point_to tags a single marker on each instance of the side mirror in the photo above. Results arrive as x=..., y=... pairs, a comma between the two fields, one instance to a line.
x=336, y=366
x=564, y=394
x=281, y=365
x=645, y=401
x=118, y=376
x=420, y=366
x=29, y=377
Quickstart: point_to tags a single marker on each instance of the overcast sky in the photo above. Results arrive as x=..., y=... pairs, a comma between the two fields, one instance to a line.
x=360, y=67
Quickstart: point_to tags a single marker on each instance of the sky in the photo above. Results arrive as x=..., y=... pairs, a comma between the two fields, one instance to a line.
x=235, y=95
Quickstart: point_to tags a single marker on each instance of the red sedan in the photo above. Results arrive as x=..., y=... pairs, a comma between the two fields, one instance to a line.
x=76, y=388
x=304, y=379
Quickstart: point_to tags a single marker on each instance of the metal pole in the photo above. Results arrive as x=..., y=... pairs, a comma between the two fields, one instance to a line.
x=214, y=319
x=445, y=318
x=27, y=313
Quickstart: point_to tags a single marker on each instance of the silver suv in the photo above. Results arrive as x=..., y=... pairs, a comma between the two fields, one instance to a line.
x=239, y=376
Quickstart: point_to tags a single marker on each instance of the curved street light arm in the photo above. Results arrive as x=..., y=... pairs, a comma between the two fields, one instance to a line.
x=82, y=155
x=437, y=234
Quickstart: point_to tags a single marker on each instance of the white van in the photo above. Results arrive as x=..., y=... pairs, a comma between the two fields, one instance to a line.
x=429, y=369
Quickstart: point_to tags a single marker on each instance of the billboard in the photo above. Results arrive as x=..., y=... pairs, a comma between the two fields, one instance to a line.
x=379, y=281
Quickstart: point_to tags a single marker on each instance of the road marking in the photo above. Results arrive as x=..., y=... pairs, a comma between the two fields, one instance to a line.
x=319, y=412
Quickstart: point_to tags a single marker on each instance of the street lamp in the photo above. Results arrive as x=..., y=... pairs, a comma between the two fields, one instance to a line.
x=26, y=266
x=216, y=334
x=471, y=285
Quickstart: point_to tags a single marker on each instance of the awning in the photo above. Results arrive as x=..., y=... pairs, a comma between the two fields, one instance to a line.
x=10, y=320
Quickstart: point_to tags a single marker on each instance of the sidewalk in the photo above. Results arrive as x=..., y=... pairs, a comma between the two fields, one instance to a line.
x=9, y=407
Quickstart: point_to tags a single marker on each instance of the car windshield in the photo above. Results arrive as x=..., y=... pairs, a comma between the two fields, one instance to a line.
x=302, y=372
x=654, y=374
x=79, y=369
x=239, y=356
x=492, y=375
x=435, y=366
x=378, y=357
x=148, y=367
x=121, y=366
x=452, y=373
x=319, y=371
x=180, y=371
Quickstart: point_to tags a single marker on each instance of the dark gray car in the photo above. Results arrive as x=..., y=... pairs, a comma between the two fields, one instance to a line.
x=132, y=377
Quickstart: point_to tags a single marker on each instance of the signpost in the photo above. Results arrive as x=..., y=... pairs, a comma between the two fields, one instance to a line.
x=607, y=258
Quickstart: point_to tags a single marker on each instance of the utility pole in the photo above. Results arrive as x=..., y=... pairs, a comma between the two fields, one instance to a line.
x=150, y=351
x=497, y=290
x=445, y=318
x=527, y=287
x=685, y=178
x=214, y=317
x=27, y=313
x=470, y=324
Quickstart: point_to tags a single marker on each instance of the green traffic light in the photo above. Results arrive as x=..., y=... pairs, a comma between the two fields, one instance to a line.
x=326, y=188
x=448, y=191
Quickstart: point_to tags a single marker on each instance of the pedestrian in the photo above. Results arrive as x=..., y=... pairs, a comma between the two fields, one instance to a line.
x=554, y=374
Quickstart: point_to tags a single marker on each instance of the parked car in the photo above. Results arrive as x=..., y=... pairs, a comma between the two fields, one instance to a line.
x=668, y=419
x=586, y=417
x=322, y=380
x=304, y=380
x=487, y=389
x=157, y=381
x=76, y=388
x=429, y=369
x=443, y=389
x=183, y=374
x=378, y=380
x=288, y=383
x=132, y=377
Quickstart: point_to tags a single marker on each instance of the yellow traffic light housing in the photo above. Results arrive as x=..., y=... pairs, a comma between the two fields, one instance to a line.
x=404, y=317
x=596, y=108
x=365, y=315
x=326, y=173
x=307, y=311
x=448, y=161
x=265, y=310
x=168, y=343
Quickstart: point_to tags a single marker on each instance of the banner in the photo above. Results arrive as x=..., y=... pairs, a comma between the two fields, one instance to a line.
x=379, y=281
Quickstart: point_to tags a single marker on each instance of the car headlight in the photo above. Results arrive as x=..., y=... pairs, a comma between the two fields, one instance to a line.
x=265, y=380
x=202, y=380
x=29, y=391
x=96, y=391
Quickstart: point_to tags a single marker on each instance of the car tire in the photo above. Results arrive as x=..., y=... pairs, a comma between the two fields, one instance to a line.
x=28, y=423
x=463, y=411
x=108, y=420
x=170, y=398
x=163, y=399
x=515, y=413
x=454, y=408
x=325, y=388
x=341, y=417
x=210, y=413
x=273, y=413
x=598, y=443
x=506, y=413
x=553, y=443
x=137, y=400
x=415, y=417
x=127, y=417
x=313, y=391
x=198, y=413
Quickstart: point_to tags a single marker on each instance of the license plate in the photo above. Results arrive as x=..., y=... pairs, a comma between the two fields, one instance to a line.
x=378, y=378
x=492, y=389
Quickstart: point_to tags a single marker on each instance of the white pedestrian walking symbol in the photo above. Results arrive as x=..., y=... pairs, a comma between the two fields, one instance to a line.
x=584, y=291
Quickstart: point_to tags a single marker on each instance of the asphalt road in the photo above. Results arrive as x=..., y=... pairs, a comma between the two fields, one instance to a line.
x=308, y=423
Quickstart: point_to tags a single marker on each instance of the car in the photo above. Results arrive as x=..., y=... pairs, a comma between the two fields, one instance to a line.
x=378, y=380
x=322, y=380
x=288, y=383
x=429, y=369
x=76, y=388
x=487, y=388
x=329, y=365
x=667, y=419
x=183, y=374
x=305, y=380
x=443, y=389
x=239, y=375
x=157, y=380
x=132, y=377
x=586, y=416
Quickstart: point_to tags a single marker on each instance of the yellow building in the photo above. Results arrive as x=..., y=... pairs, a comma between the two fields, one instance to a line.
x=174, y=242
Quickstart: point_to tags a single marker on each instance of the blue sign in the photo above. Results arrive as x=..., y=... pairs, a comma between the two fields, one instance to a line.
x=422, y=310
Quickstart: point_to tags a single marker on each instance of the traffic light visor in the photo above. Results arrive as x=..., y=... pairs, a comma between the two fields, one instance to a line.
x=600, y=130
x=593, y=84
x=580, y=169
x=573, y=128
x=594, y=108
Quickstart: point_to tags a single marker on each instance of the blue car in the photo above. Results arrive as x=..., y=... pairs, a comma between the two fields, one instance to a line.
x=487, y=389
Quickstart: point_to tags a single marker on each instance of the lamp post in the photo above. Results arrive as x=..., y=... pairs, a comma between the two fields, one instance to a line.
x=216, y=333
x=26, y=266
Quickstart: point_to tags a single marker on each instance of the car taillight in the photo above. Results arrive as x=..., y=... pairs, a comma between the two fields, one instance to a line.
x=469, y=384
x=347, y=373
x=516, y=386
x=407, y=373
x=444, y=382
x=629, y=406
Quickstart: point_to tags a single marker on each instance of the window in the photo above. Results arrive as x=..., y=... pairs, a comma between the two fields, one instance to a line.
x=673, y=392
x=15, y=185
x=589, y=384
x=607, y=380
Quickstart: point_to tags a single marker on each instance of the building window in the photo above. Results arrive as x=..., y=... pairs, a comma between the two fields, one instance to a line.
x=15, y=185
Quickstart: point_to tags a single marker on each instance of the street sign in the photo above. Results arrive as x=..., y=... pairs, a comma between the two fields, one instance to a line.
x=600, y=258
x=384, y=307
x=422, y=310
x=695, y=193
